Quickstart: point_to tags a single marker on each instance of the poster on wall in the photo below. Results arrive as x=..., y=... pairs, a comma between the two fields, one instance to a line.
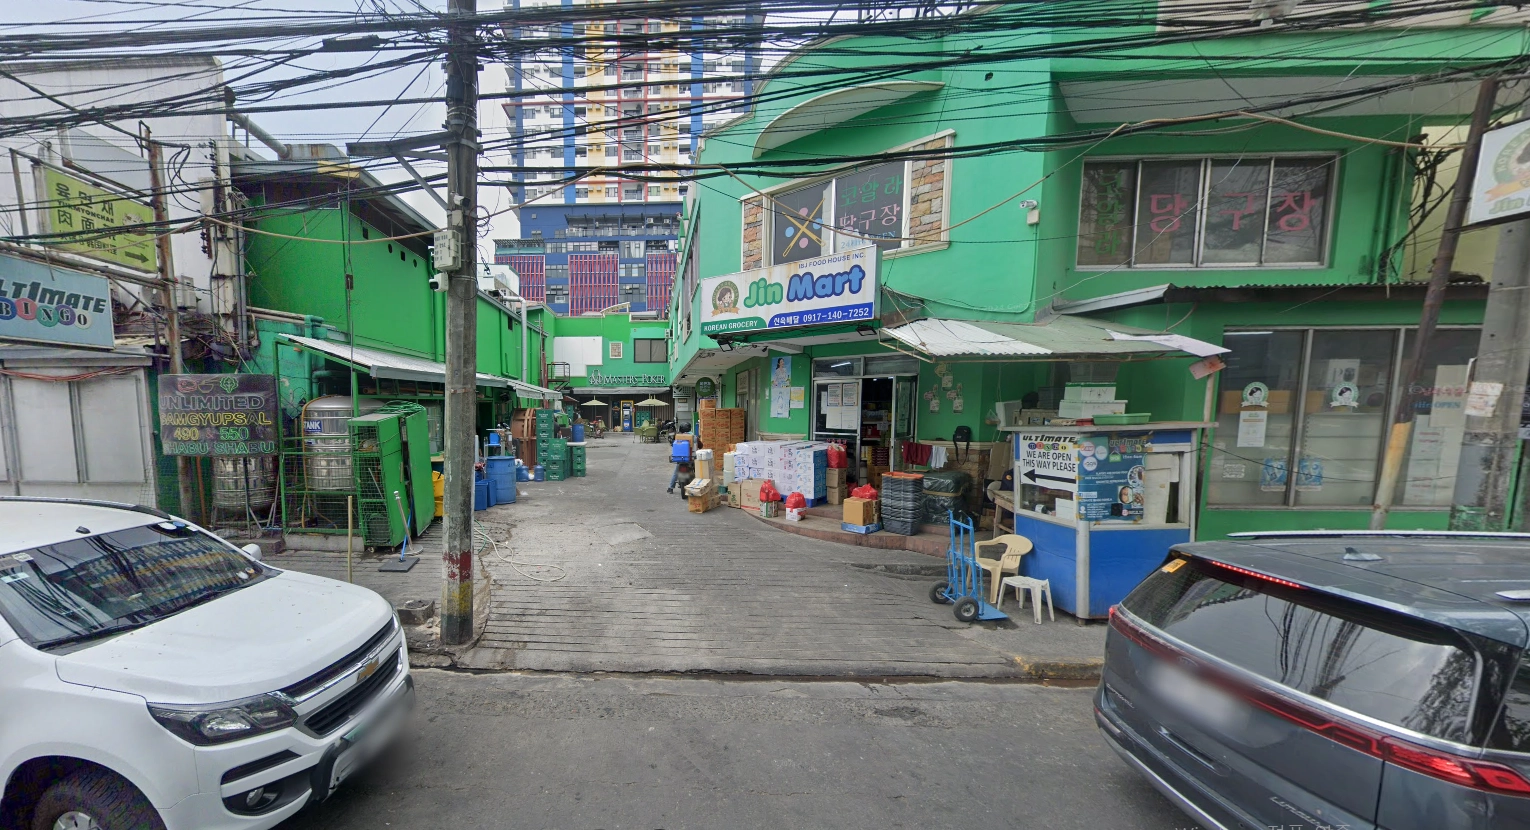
x=780, y=387
x=799, y=397
x=1252, y=427
x=850, y=395
x=1047, y=460
x=1111, y=474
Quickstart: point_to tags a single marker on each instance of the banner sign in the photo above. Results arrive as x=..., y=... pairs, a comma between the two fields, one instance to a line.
x=594, y=377
x=218, y=414
x=73, y=206
x=835, y=288
x=47, y=304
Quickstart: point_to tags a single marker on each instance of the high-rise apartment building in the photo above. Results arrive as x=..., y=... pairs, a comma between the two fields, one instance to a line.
x=619, y=91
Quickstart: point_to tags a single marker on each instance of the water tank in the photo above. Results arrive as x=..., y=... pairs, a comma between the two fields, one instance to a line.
x=327, y=440
x=229, y=482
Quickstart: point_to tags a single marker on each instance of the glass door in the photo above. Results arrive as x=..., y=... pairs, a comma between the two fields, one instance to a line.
x=903, y=414
x=837, y=412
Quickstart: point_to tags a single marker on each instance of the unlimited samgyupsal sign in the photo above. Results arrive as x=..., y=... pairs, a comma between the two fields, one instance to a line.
x=835, y=288
x=218, y=414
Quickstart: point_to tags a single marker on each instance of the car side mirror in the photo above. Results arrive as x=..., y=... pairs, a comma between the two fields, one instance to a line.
x=252, y=550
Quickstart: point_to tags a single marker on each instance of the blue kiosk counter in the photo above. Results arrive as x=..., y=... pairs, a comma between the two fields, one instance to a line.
x=1102, y=505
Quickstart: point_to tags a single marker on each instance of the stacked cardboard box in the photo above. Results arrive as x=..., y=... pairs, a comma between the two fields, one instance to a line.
x=794, y=466
x=721, y=429
x=701, y=495
x=705, y=467
x=861, y=515
x=834, y=485
x=747, y=493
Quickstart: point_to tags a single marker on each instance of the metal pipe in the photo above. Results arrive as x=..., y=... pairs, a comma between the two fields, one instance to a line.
x=21, y=199
x=282, y=151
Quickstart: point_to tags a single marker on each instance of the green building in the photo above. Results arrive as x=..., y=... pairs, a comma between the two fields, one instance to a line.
x=611, y=362
x=1018, y=220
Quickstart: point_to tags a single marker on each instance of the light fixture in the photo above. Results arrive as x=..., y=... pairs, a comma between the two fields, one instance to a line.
x=841, y=363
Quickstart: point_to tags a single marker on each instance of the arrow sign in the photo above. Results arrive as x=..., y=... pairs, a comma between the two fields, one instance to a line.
x=135, y=255
x=1033, y=476
x=1047, y=459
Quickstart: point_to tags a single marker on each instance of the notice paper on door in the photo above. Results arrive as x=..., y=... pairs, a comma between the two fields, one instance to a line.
x=1251, y=428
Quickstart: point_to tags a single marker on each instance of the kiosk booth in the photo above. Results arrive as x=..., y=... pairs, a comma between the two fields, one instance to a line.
x=1102, y=505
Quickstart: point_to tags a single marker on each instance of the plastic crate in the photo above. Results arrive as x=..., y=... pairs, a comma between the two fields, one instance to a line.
x=861, y=529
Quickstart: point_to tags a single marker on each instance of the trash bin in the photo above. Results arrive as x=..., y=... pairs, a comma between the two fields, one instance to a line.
x=481, y=494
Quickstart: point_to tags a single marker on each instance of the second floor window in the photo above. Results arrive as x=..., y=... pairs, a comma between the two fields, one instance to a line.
x=1205, y=212
x=867, y=205
x=646, y=350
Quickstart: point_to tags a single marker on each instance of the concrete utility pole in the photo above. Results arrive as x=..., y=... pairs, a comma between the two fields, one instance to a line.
x=167, y=294
x=1490, y=445
x=1400, y=430
x=461, y=326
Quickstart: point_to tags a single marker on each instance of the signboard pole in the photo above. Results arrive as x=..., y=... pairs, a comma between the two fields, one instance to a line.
x=1400, y=427
x=167, y=294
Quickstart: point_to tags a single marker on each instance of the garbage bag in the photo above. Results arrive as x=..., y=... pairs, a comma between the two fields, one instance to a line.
x=795, y=501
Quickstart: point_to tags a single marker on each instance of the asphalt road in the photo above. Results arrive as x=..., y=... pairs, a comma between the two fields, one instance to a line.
x=529, y=751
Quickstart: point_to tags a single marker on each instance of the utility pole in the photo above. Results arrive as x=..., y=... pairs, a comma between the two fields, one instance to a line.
x=167, y=295
x=1400, y=430
x=1490, y=445
x=461, y=324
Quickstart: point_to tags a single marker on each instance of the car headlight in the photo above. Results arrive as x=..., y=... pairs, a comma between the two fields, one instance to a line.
x=220, y=722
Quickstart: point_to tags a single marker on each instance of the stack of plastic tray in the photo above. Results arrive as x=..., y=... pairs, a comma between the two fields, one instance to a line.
x=553, y=453
x=546, y=426
x=902, y=502
x=576, y=455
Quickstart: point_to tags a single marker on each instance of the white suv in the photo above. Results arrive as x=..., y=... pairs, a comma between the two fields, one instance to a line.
x=154, y=677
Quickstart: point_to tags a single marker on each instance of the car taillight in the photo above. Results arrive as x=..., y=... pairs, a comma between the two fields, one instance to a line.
x=1466, y=772
x=1257, y=575
x=1478, y=775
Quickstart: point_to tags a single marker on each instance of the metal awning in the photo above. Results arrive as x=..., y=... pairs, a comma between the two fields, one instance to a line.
x=380, y=364
x=1056, y=338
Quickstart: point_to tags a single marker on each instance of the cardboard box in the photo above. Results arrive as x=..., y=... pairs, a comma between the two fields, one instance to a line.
x=701, y=487
x=701, y=504
x=874, y=477
x=749, y=493
x=861, y=511
x=705, y=404
x=835, y=496
x=835, y=476
x=1089, y=392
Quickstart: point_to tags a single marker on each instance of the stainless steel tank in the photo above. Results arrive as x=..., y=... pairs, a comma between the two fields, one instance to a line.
x=327, y=440
x=229, y=482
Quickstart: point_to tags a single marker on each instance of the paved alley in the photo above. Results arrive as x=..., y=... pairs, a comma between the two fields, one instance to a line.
x=648, y=586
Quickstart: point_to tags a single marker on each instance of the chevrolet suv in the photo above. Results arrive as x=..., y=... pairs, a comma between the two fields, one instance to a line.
x=1329, y=680
x=154, y=677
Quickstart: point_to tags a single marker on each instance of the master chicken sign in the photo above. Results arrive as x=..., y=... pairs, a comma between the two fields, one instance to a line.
x=835, y=288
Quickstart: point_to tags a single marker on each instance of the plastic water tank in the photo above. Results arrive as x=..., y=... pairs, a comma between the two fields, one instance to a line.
x=578, y=433
x=538, y=474
x=481, y=494
x=501, y=471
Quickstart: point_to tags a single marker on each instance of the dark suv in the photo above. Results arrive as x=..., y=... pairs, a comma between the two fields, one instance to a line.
x=1329, y=680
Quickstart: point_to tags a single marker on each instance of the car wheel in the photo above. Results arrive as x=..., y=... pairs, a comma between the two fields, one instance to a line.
x=966, y=610
x=938, y=593
x=94, y=799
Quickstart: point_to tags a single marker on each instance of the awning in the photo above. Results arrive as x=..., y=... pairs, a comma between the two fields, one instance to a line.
x=833, y=108
x=380, y=364
x=1057, y=338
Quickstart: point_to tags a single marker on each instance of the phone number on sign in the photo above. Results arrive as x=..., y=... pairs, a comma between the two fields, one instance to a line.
x=826, y=315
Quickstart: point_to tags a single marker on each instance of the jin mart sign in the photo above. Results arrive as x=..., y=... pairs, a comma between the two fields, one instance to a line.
x=835, y=288
x=1501, y=185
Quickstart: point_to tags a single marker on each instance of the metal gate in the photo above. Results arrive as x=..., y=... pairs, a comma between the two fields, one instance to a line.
x=75, y=424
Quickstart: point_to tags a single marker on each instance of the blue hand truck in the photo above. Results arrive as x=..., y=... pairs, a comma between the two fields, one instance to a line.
x=964, y=578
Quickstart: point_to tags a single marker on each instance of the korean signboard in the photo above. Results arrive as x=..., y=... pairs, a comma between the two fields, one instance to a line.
x=46, y=304
x=218, y=414
x=1501, y=186
x=73, y=206
x=834, y=288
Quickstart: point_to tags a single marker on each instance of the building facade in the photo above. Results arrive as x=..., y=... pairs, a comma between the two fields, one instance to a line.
x=636, y=91
x=1005, y=268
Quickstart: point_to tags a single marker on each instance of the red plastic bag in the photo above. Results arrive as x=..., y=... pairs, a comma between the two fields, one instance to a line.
x=865, y=491
x=796, y=501
x=838, y=458
x=768, y=492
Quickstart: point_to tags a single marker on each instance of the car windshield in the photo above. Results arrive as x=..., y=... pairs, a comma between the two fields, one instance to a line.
x=82, y=589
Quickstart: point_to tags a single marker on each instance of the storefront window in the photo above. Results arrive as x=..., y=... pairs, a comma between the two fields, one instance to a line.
x=1439, y=419
x=1349, y=378
x=844, y=367
x=798, y=224
x=865, y=205
x=1317, y=439
x=1255, y=417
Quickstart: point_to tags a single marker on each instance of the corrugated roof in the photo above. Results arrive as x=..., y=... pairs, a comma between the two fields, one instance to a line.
x=380, y=364
x=1055, y=337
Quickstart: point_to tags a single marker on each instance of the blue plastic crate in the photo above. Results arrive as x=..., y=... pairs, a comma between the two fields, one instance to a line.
x=861, y=529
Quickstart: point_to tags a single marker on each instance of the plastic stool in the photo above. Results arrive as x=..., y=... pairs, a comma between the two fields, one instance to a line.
x=1037, y=587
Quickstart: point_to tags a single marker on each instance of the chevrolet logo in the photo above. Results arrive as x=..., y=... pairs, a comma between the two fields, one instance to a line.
x=368, y=670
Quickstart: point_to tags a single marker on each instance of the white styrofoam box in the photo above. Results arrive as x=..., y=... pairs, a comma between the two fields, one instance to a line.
x=1089, y=409
x=1089, y=392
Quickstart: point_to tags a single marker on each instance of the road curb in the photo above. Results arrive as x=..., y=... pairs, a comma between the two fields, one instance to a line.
x=1072, y=670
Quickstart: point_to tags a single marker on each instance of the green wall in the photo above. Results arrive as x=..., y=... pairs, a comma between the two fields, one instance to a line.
x=621, y=328
x=391, y=306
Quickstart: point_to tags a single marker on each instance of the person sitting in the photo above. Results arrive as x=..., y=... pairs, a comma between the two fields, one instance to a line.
x=683, y=445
